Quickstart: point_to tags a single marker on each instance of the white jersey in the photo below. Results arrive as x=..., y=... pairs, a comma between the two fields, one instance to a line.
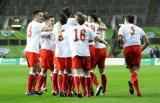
x=101, y=34
x=62, y=48
x=71, y=22
x=132, y=34
x=33, y=36
x=94, y=27
x=47, y=43
x=79, y=40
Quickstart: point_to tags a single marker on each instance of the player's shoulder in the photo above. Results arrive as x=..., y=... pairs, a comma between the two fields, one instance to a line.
x=71, y=21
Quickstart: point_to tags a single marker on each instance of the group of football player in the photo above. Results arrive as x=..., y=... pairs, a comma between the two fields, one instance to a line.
x=71, y=49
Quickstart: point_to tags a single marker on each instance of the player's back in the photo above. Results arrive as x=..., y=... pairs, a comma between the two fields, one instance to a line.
x=62, y=47
x=79, y=40
x=132, y=34
x=33, y=36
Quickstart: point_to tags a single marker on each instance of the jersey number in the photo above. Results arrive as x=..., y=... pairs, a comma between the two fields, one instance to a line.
x=82, y=35
x=93, y=28
x=132, y=30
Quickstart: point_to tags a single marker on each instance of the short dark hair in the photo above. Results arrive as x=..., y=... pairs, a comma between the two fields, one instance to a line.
x=80, y=18
x=47, y=17
x=36, y=12
x=130, y=18
x=66, y=11
x=62, y=18
x=94, y=17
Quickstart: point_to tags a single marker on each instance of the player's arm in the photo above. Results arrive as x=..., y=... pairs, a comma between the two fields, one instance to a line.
x=101, y=40
x=102, y=26
x=45, y=36
x=120, y=41
x=47, y=28
x=146, y=42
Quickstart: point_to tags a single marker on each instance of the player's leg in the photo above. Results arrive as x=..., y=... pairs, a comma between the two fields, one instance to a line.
x=41, y=77
x=92, y=73
x=31, y=77
x=77, y=65
x=100, y=60
x=54, y=82
x=32, y=60
x=77, y=72
x=82, y=78
x=60, y=80
x=44, y=86
x=88, y=83
x=133, y=57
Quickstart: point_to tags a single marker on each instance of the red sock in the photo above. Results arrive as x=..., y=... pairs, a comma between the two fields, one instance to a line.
x=54, y=82
x=94, y=79
x=45, y=81
x=88, y=86
x=34, y=82
x=60, y=82
x=104, y=82
x=40, y=82
x=134, y=81
x=82, y=78
x=134, y=76
x=30, y=83
x=70, y=83
x=77, y=83
x=65, y=83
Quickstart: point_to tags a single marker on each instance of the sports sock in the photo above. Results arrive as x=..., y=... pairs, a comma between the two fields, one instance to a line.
x=60, y=80
x=104, y=82
x=65, y=82
x=94, y=79
x=88, y=86
x=70, y=83
x=40, y=82
x=54, y=82
x=45, y=81
x=35, y=82
x=134, y=81
x=30, y=82
x=77, y=83
x=82, y=78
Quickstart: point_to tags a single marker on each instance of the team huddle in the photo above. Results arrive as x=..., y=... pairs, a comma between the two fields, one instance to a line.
x=72, y=48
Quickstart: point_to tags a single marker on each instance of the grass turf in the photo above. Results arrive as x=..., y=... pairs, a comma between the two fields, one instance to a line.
x=13, y=85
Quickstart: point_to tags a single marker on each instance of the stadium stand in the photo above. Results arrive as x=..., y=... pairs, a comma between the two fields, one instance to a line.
x=106, y=8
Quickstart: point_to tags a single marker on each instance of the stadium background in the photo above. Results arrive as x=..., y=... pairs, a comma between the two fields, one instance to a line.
x=14, y=17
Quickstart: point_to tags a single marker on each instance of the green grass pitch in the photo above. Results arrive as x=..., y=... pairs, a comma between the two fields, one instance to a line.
x=13, y=85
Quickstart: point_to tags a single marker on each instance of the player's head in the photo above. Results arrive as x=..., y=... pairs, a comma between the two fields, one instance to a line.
x=49, y=20
x=45, y=15
x=80, y=18
x=129, y=19
x=62, y=18
x=38, y=15
x=92, y=18
x=66, y=11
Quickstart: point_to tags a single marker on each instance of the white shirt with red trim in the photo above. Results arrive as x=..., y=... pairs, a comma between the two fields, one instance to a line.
x=47, y=43
x=94, y=27
x=101, y=34
x=132, y=34
x=62, y=48
x=79, y=40
x=33, y=36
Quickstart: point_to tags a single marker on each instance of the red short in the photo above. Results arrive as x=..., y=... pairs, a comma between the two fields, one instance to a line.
x=46, y=59
x=92, y=54
x=32, y=59
x=81, y=63
x=100, y=56
x=132, y=56
x=63, y=63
